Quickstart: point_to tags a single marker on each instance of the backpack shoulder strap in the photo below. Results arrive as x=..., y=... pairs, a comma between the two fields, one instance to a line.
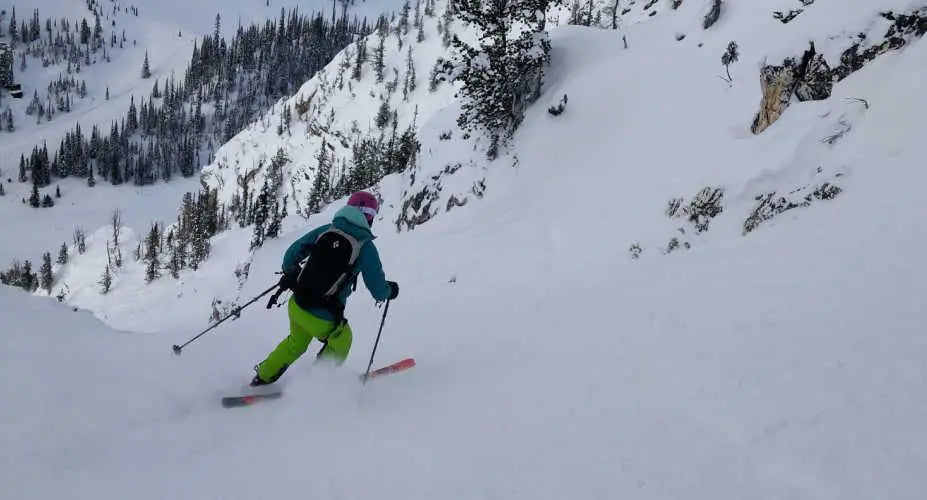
x=356, y=244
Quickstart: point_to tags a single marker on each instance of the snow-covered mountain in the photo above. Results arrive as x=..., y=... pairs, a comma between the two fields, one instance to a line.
x=68, y=82
x=648, y=294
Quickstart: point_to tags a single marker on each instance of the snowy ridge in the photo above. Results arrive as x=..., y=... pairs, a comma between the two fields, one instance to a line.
x=167, y=32
x=614, y=118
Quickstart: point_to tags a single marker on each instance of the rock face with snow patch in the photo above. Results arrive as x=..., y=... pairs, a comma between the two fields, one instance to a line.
x=810, y=80
x=813, y=79
x=778, y=84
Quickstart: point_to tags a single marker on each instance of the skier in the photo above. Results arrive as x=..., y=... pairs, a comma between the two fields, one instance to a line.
x=334, y=255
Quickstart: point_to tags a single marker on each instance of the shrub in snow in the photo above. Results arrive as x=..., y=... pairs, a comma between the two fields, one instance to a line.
x=730, y=56
x=454, y=202
x=703, y=207
x=786, y=17
x=560, y=107
x=674, y=244
x=904, y=28
x=635, y=251
x=20, y=275
x=713, y=14
x=769, y=205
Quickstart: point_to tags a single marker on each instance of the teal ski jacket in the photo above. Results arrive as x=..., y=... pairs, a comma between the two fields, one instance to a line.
x=352, y=221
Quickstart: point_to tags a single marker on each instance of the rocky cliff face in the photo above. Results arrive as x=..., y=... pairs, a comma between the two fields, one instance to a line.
x=811, y=78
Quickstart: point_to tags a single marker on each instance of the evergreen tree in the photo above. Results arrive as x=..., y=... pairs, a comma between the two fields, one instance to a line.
x=80, y=241
x=178, y=251
x=383, y=115
x=84, y=32
x=106, y=282
x=322, y=183
x=403, y=25
x=359, y=59
x=2, y=192
x=22, y=168
x=378, y=60
x=30, y=280
x=13, y=30
x=63, y=254
x=146, y=69
x=410, y=83
x=273, y=229
x=260, y=215
x=45, y=272
x=34, y=199
x=152, y=247
x=132, y=116
x=501, y=75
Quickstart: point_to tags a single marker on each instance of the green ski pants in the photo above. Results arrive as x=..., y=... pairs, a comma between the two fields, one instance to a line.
x=303, y=328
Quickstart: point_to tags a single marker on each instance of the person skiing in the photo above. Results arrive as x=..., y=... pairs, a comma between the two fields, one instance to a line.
x=321, y=270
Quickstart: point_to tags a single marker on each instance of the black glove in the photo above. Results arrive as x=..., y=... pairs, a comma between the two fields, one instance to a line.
x=393, y=289
x=288, y=281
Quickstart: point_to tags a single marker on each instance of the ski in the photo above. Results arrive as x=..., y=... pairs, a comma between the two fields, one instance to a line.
x=396, y=367
x=237, y=401
x=248, y=400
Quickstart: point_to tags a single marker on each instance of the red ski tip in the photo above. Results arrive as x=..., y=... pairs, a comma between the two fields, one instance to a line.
x=393, y=368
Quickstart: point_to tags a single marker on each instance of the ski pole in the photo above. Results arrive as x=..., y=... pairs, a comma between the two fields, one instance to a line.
x=375, y=344
x=236, y=312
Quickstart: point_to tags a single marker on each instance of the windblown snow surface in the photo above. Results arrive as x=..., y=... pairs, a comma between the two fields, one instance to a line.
x=787, y=363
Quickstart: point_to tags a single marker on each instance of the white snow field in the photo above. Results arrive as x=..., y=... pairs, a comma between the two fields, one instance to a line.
x=786, y=363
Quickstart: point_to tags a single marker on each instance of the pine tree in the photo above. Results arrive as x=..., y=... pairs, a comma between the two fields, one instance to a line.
x=146, y=69
x=410, y=81
x=152, y=247
x=2, y=192
x=378, y=60
x=22, y=168
x=34, y=200
x=383, y=115
x=322, y=182
x=403, y=25
x=177, y=259
x=106, y=282
x=63, y=254
x=260, y=215
x=503, y=73
x=84, y=32
x=29, y=281
x=359, y=59
x=47, y=279
x=14, y=33
x=80, y=240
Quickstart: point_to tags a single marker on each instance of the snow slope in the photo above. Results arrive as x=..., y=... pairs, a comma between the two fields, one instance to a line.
x=787, y=363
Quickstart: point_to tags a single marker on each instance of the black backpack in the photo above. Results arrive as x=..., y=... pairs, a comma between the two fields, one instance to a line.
x=329, y=267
